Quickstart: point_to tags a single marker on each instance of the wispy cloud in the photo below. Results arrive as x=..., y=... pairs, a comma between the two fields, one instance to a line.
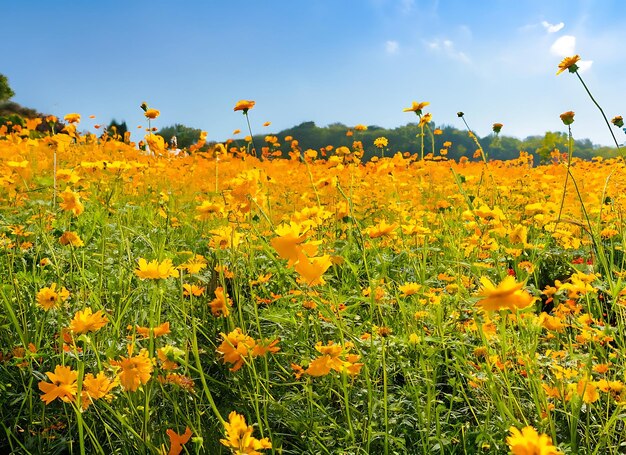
x=565, y=46
x=552, y=28
x=392, y=47
x=448, y=48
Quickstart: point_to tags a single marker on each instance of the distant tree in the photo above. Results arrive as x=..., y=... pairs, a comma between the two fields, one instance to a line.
x=117, y=129
x=185, y=135
x=5, y=90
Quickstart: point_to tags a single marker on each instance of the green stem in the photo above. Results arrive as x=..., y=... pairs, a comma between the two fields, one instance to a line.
x=601, y=111
x=251, y=136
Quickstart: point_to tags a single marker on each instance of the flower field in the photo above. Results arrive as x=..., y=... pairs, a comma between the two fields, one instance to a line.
x=217, y=302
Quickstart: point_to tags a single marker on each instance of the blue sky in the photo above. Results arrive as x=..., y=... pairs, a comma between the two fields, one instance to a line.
x=349, y=61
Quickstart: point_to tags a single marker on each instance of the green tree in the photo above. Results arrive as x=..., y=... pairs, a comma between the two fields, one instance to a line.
x=185, y=135
x=5, y=90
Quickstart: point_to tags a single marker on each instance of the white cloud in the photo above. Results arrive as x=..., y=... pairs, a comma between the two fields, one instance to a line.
x=552, y=28
x=564, y=46
x=392, y=47
x=584, y=65
x=448, y=48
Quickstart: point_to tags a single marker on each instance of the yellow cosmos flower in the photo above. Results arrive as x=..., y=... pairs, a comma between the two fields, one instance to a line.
x=416, y=107
x=96, y=387
x=134, y=371
x=529, y=442
x=381, y=142
x=49, y=297
x=290, y=236
x=152, y=113
x=239, y=436
x=568, y=63
x=72, y=118
x=155, y=270
x=244, y=105
x=507, y=295
x=409, y=289
x=71, y=238
x=312, y=269
x=86, y=321
x=62, y=386
x=71, y=202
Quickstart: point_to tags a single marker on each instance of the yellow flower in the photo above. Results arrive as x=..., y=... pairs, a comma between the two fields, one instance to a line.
x=192, y=289
x=71, y=238
x=360, y=127
x=529, y=442
x=49, y=297
x=568, y=63
x=134, y=370
x=71, y=202
x=152, y=113
x=426, y=119
x=239, y=436
x=63, y=385
x=381, y=142
x=507, y=295
x=290, y=236
x=155, y=270
x=409, y=289
x=312, y=269
x=87, y=321
x=416, y=107
x=72, y=118
x=618, y=121
x=244, y=105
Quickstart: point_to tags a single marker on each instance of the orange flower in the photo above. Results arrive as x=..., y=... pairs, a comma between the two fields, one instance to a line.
x=177, y=441
x=497, y=127
x=568, y=63
x=158, y=331
x=507, y=295
x=220, y=304
x=96, y=387
x=63, y=385
x=152, y=113
x=567, y=117
x=244, y=105
x=87, y=321
x=235, y=348
x=134, y=370
x=192, y=289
